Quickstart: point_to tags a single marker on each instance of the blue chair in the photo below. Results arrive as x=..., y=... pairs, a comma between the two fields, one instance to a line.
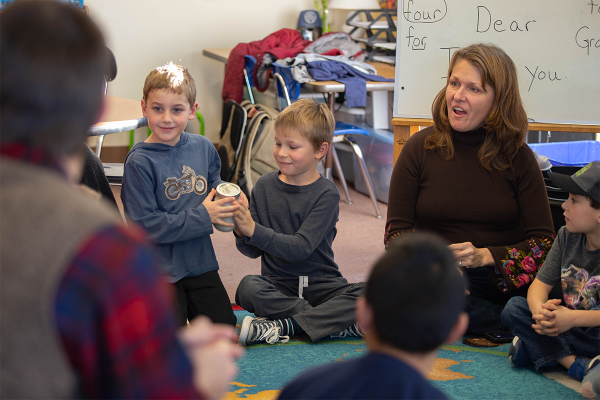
x=286, y=80
x=290, y=90
x=249, y=63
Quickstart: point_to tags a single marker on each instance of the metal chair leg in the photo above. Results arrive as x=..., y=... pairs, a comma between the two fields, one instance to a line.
x=338, y=168
x=99, y=145
x=279, y=78
x=365, y=173
x=247, y=79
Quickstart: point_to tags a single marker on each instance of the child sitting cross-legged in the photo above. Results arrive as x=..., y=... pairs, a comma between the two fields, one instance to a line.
x=403, y=326
x=549, y=335
x=291, y=226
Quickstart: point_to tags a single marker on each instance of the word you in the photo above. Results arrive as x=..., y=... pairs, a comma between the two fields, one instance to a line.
x=541, y=76
x=421, y=15
x=484, y=22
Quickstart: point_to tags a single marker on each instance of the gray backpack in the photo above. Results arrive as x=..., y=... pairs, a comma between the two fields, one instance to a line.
x=232, y=136
x=256, y=156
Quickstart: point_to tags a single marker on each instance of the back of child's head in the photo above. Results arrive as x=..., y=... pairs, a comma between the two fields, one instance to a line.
x=309, y=119
x=53, y=61
x=173, y=78
x=416, y=293
x=585, y=182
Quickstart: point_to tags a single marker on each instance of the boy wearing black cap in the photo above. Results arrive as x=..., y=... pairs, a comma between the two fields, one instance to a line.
x=548, y=334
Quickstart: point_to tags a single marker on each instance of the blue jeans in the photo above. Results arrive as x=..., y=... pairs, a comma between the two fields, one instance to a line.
x=545, y=350
x=485, y=302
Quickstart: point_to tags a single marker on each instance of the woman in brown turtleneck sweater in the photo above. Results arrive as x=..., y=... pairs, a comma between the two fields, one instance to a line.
x=471, y=179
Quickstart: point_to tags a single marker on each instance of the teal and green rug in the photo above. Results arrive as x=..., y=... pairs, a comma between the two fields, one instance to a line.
x=461, y=371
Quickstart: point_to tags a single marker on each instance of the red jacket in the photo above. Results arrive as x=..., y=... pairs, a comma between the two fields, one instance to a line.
x=283, y=43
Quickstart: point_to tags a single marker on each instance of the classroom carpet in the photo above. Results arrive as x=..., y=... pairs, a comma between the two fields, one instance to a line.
x=460, y=371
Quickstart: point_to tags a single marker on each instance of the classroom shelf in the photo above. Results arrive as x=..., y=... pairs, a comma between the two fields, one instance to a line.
x=379, y=26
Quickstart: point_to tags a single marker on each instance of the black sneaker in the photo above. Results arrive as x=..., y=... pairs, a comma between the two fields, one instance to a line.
x=593, y=362
x=351, y=331
x=590, y=386
x=258, y=330
x=517, y=354
x=581, y=366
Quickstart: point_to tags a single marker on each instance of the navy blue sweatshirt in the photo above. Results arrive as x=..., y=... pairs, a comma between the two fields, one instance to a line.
x=163, y=190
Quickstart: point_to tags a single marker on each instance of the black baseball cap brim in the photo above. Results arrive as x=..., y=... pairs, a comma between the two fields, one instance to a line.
x=566, y=183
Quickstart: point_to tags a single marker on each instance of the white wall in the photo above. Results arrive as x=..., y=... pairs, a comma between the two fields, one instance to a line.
x=144, y=34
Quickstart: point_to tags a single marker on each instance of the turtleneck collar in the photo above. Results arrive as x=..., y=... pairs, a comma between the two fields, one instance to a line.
x=476, y=136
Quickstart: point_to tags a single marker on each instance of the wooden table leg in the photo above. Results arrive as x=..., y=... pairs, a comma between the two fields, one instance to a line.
x=401, y=135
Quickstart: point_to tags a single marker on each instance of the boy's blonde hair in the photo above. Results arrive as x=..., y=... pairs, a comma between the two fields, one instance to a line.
x=172, y=77
x=309, y=119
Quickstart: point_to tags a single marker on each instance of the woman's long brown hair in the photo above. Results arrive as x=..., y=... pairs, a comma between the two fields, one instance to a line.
x=506, y=124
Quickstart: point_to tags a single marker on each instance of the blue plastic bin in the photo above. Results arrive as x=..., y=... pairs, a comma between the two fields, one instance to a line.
x=575, y=154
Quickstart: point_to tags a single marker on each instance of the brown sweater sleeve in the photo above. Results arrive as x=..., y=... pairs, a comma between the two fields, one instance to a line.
x=517, y=264
x=404, y=190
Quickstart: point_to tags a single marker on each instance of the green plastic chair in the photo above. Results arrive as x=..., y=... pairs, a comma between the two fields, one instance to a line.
x=132, y=132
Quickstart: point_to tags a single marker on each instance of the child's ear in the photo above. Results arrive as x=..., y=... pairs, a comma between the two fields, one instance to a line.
x=144, y=108
x=193, y=111
x=459, y=328
x=322, y=150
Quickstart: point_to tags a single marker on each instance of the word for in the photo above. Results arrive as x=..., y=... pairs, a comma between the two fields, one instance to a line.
x=423, y=16
x=541, y=76
x=586, y=43
x=484, y=22
x=414, y=42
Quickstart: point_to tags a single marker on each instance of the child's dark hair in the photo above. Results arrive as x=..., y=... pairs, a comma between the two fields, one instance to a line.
x=53, y=61
x=416, y=293
x=594, y=203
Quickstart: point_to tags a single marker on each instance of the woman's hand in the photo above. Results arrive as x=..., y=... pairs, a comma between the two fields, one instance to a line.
x=469, y=256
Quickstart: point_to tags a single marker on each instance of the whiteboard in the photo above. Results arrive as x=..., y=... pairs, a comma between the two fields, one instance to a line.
x=555, y=45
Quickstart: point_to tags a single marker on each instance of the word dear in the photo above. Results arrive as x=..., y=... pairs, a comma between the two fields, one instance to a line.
x=484, y=22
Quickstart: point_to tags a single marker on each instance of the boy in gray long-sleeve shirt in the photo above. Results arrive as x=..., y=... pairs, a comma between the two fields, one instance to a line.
x=291, y=225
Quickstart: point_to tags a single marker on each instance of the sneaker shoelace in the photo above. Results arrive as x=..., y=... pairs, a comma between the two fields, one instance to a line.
x=267, y=331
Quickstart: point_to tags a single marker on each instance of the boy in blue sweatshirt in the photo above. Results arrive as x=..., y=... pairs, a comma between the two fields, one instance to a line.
x=169, y=183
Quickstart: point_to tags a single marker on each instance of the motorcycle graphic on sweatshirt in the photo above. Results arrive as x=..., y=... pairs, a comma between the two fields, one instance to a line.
x=188, y=183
